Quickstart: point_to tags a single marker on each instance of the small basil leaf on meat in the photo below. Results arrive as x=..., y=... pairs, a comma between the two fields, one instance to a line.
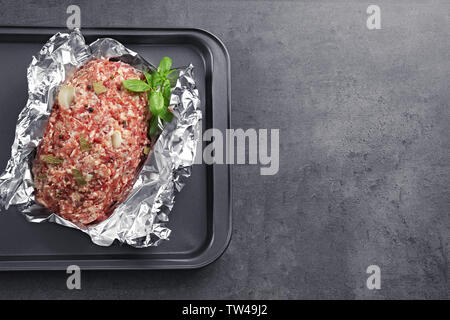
x=136, y=85
x=78, y=176
x=84, y=144
x=49, y=158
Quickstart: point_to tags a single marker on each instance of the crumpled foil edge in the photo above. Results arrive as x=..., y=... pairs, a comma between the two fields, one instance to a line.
x=141, y=219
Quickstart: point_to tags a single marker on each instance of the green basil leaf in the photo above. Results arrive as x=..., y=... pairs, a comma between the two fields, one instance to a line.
x=157, y=79
x=156, y=102
x=166, y=115
x=154, y=126
x=167, y=92
x=172, y=76
x=164, y=65
x=148, y=77
x=136, y=85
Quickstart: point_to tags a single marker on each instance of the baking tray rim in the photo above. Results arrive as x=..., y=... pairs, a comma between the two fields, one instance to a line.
x=206, y=257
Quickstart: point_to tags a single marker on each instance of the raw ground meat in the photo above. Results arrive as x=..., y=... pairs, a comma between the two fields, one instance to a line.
x=88, y=159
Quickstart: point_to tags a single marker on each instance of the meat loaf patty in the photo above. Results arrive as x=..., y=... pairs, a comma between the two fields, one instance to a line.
x=94, y=143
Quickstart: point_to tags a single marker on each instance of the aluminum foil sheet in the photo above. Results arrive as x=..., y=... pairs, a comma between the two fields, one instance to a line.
x=141, y=219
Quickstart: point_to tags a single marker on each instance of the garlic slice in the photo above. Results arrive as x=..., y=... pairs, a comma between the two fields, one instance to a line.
x=66, y=95
x=116, y=139
x=88, y=177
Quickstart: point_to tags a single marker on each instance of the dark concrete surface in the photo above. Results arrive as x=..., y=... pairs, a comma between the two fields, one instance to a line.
x=364, y=123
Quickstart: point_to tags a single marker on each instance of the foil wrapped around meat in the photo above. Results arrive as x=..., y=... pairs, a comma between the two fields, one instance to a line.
x=141, y=219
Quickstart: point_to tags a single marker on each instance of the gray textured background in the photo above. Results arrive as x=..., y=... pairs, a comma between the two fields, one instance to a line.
x=364, y=126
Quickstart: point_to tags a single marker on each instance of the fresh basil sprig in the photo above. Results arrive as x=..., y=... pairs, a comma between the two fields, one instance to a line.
x=159, y=85
x=136, y=85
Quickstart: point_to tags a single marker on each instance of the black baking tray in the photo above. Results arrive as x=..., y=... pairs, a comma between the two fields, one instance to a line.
x=201, y=218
